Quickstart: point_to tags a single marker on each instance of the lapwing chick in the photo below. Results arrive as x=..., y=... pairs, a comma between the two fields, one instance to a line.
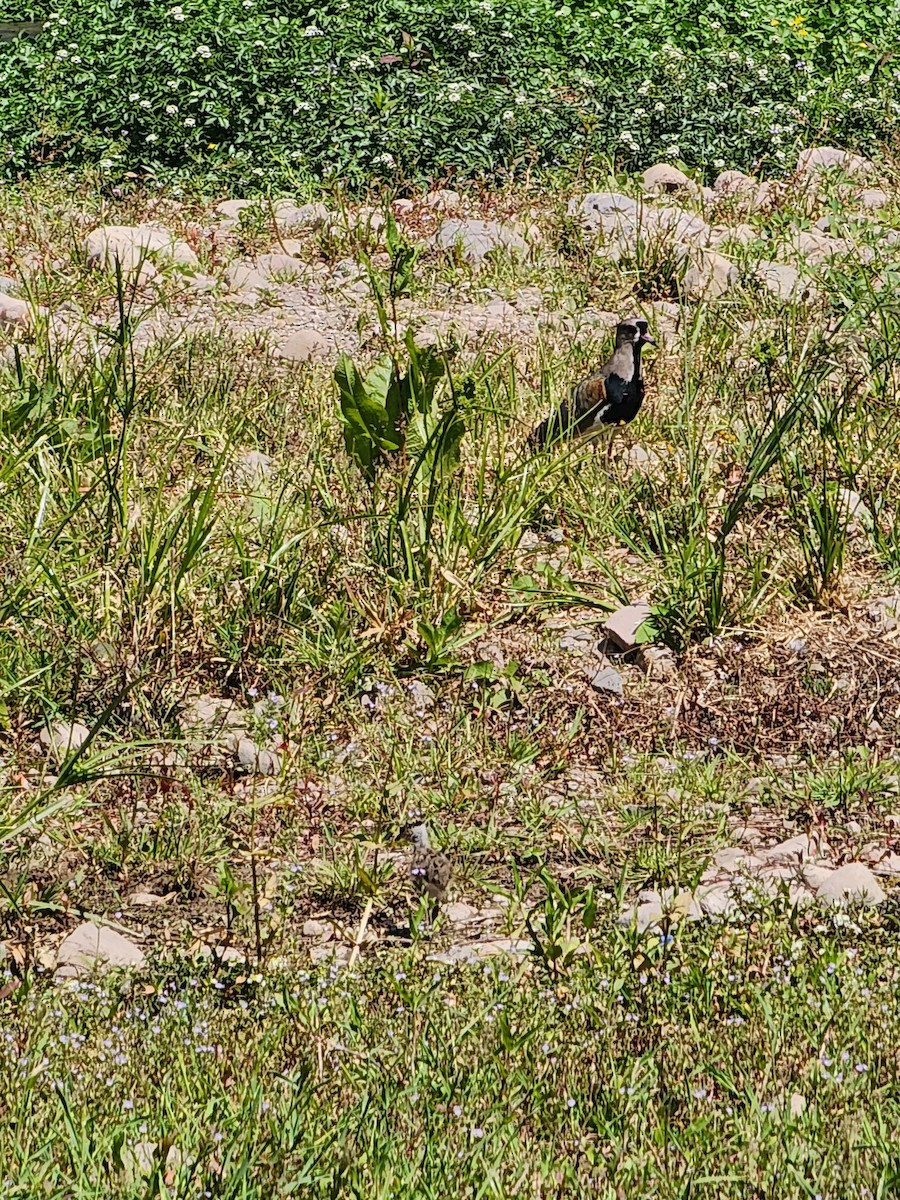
x=429, y=870
x=605, y=401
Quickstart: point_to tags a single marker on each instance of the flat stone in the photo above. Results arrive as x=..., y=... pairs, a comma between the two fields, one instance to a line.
x=255, y=758
x=131, y=244
x=888, y=864
x=212, y=714
x=475, y=952
x=709, y=275
x=853, y=883
x=323, y=930
x=816, y=159
x=443, y=200
x=149, y=899
x=732, y=858
x=814, y=875
x=275, y=266
x=232, y=209
x=872, y=198
x=63, y=737
x=657, y=662
x=94, y=947
x=732, y=183
x=622, y=627
x=241, y=277
x=739, y=235
x=578, y=640
x=303, y=346
x=253, y=467
x=421, y=694
x=785, y=282
x=793, y=851
x=141, y=1159
x=607, y=679
x=460, y=912
x=289, y=215
x=664, y=179
x=854, y=508
x=477, y=239
x=716, y=901
x=14, y=312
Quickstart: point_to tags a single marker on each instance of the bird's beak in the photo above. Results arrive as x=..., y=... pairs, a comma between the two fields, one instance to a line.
x=647, y=340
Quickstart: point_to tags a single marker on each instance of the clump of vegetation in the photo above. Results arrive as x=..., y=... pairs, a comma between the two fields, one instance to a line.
x=257, y=94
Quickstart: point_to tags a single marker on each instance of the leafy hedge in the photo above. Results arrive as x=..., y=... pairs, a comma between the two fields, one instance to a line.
x=266, y=92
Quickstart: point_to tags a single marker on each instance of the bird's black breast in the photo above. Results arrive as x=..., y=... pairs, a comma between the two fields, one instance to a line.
x=621, y=403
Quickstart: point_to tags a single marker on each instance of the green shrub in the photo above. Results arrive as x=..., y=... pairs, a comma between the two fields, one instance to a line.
x=254, y=92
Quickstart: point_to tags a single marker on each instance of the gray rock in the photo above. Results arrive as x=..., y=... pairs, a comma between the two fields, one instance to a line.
x=132, y=244
x=785, y=282
x=260, y=761
x=854, y=509
x=709, y=275
x=868, y=198
x=232, y=209
x=716, y=901
x=657, y=662
x=793, y=851
x=622, y=627
x=851, y=884
x=816, y=159
x=639, y=458
x=149, y=899
x=323, y=930
x=460, y=912
x=253, y=467
x=733, y=183
x=443, y=200
x=739, y=235
x=475, y=952
x=10, y=286
x=664, y=179
x=241, y=277
x=289, y=215
x=212, y=715
x=605, y=210
x=14, y=312
x=63, y=737
x=675, y=225
x=578, y=639
x=91, y=947
x=140, y=1160
x=279, y=266
x=477, y=239
x=607, y=679
x=303, y=346
x=421, y=694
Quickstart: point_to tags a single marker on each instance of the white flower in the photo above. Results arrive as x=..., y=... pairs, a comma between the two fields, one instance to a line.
x=712, y=86
x=134, y=97
x=304, y=106
x=76, y=58
x=259, y=43
x=171, y=109
x=363, y=60
x=203, y=52
x=387, y=159
x=462, y=27
x=644, y=88
x=151, y=137
x=672, y=151
x=521, y=98
x=313, y=31
x=248, y=3
x=172, y=84
x=719, y=163
x=509, y=115
x=145, y=104
x=62, y=54
x=639, y=112
x=659, y=107
x=190, y=122
x=176, y=14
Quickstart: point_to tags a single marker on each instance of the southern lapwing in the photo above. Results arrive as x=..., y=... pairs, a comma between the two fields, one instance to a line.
x=429, y=870
x=610, y=398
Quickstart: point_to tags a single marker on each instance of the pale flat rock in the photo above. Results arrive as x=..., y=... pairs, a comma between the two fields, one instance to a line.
x=276, y=267
x=252, y=468
x=241, y=277
x=460, y=912
x=732, y=183
x=323, y=930
x=289, y=215
x=872, y=198
x=785, y=282
x=232, y=209
x=150, y=899
x=63, y=737
x=14, y=312
x=607, y=679
x=657, y=662
x=212, y=714
x=639, y=458
x=443, y=200
x=793, y=851
x=306, y=345
x=739, y=235
x=814, y=874
x=475, y=240
x=475, y=952
x=91, y=947
x=734, y=858
x=622, y=627
x=887, y=864
x=709, y=276
x=664, y=179
x=717, y=900
x=816, y=159
x=851, y=884
x=140, y=1160
x=258, y=759
x=130, y=245
x=578, y=639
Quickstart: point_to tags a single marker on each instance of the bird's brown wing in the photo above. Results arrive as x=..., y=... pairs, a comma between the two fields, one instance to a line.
x=576, y=415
